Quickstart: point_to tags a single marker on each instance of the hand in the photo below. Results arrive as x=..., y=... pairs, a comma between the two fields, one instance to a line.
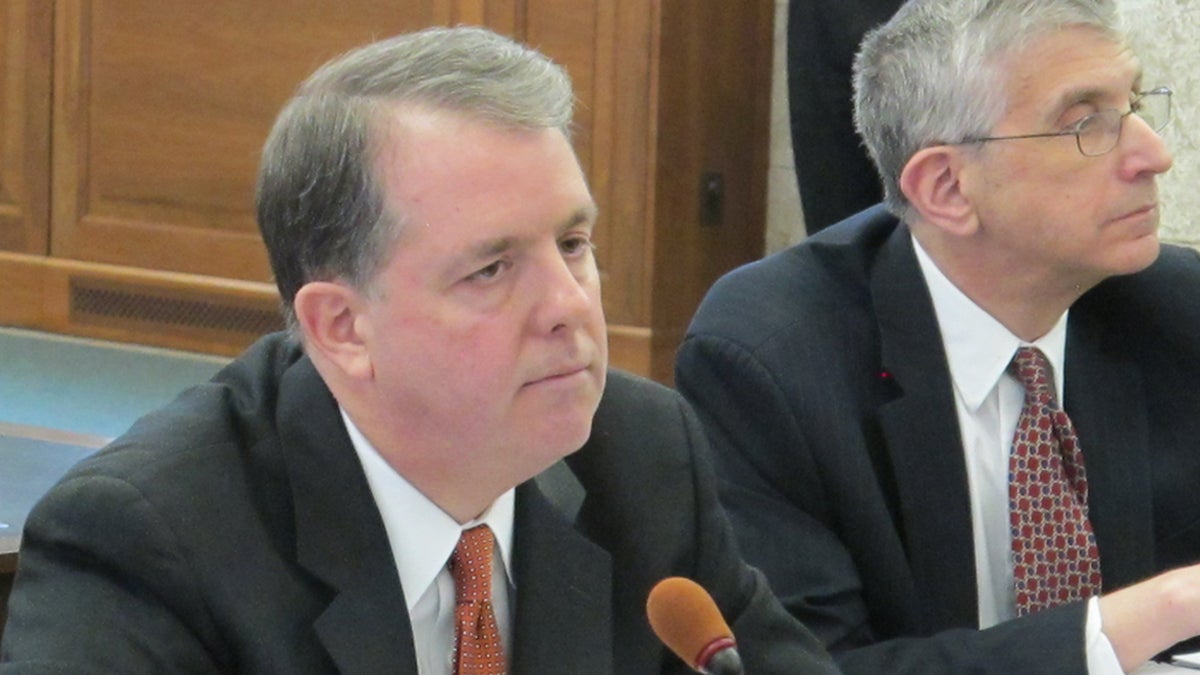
x=1148, y=617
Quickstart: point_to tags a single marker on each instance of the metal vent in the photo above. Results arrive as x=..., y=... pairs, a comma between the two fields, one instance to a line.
x=201, y=314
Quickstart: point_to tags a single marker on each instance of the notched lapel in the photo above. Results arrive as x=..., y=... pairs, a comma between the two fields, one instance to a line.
x=923, y=441
x=340, y=537
x=562, y=489
x=564, y=614
x=365, y=631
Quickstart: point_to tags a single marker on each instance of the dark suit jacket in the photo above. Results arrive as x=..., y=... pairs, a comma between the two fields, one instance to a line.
x=821, y=378
x=234, y=531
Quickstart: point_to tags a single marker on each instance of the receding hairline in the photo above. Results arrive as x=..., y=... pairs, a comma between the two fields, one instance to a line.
x=1079, y=87
x=392, y=122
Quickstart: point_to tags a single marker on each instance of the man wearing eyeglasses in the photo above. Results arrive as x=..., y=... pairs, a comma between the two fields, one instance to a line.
x=884, y=398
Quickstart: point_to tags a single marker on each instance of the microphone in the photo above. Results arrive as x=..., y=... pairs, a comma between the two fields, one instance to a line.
x=684, y=616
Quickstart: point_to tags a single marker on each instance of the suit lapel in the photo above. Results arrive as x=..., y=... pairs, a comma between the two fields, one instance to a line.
x=563, y=621
x=340, y=537
x=923, y=441
x=564, y=615
x=1113, y=432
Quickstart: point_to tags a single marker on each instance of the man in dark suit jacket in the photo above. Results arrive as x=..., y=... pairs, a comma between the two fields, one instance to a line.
x=429, y=228
x=855, y=386
x=235, y=531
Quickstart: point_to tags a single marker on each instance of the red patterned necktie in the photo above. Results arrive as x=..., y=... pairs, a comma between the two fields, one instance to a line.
x=477, y=646
x=1055, y=559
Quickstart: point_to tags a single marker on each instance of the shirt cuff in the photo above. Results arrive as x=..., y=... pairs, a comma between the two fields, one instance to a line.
x=1101, y=658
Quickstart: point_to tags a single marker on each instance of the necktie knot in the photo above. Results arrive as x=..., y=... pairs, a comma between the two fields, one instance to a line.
x=1032, y=370
x=471, y=565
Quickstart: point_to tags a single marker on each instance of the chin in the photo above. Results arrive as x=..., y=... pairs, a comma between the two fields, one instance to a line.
x=562, y=423
x=569, y=434
x=1141, y=254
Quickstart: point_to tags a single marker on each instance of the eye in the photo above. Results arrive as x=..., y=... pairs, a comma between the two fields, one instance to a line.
x=576, y=245
x=490, y=272
x=1080, y=114
x=1076, y=117
x=1088, y=123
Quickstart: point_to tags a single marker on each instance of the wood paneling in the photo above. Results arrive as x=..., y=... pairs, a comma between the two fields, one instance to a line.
x=623, y=101
x=25, y=125
x=713, y=115
x=43, y=293
x=161, y=108
x=154, y=112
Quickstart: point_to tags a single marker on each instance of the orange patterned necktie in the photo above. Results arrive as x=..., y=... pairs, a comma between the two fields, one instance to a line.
x=1055, y=559
x=477, y=646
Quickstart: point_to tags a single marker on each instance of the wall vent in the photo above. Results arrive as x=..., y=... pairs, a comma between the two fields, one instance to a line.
x=200, y=314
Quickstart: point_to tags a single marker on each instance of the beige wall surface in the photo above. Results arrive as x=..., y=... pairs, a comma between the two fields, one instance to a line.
x=785, y=219
x=1164, y=35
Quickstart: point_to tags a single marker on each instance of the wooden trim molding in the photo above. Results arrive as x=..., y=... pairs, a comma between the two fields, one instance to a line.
x=197, y=313
x=52, y=435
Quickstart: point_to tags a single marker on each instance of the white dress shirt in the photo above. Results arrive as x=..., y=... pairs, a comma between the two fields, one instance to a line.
x=988, y=401
x=422, y=537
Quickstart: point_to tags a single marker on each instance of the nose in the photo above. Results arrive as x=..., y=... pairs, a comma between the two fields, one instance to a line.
x=564, y=292
x=1146, y=150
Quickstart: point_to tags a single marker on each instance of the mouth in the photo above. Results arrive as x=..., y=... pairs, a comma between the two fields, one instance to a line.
x=560, y=374
x=1141, y=211
x=1147, y=214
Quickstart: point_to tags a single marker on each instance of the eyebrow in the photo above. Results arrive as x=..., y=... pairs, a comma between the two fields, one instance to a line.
x=584, y=215
x=1078, y=95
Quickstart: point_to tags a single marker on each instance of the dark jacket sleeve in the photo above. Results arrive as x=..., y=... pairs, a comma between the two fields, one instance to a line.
x=110, y=576
x=103, y=587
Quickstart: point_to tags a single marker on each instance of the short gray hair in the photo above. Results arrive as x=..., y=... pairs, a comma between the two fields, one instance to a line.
x=935, y=74
x=321, y=208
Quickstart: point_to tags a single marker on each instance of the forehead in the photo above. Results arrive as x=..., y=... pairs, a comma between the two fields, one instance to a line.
x=430, y=157
x=462, y=184
x=1071, y=65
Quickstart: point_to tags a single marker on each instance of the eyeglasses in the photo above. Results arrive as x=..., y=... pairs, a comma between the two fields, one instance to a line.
x=1099, y=133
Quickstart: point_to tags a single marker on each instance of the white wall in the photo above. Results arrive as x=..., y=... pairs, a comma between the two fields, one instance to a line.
x=1166, y=36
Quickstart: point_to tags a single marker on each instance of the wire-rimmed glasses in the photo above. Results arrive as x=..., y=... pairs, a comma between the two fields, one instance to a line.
x=1099, y=132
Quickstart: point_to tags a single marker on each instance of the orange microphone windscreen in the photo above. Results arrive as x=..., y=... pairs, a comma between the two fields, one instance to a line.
x=684, y=616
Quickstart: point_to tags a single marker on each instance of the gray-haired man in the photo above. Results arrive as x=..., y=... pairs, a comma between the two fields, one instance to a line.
x=922, y=504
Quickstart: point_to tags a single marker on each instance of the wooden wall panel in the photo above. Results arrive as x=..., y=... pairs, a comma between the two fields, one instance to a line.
x=25, y=49
x=617, y=145
x=157, y=110
x=502, y=16
x=161, y=108
x=123, y=304
x=713, y=83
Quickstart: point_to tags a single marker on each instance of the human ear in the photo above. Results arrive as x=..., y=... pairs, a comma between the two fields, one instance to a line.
x=934, y=182
x=330, y=314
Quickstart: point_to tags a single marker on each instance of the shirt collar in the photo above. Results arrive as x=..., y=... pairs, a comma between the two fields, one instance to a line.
x=421, y=534
x=978, y=347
